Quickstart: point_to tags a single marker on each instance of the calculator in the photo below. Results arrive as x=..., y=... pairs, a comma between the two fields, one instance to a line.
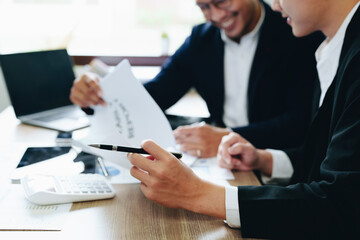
x=50, y=189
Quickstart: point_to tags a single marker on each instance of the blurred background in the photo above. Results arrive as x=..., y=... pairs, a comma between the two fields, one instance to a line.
x=95, y=27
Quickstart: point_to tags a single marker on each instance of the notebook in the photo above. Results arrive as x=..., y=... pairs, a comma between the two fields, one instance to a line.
x=39, y=85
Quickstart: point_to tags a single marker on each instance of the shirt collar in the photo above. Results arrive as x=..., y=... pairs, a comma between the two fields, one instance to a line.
x=249, y=35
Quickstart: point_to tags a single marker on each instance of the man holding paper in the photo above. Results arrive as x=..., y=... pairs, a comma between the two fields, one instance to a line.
x=255, y=77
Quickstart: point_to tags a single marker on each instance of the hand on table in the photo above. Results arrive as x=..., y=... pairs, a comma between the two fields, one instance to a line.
x=168, y=181
x=235, y=152
x=201, y=140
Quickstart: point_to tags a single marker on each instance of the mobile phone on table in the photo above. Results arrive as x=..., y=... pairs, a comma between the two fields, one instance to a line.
x=33, y=155
x=38, y=154
x=64, y=138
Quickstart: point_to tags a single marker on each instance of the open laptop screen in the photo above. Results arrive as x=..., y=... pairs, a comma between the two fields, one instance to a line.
x=38, y=81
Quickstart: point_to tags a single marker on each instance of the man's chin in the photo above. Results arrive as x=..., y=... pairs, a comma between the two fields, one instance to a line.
x=234, y=37
x=300, y=32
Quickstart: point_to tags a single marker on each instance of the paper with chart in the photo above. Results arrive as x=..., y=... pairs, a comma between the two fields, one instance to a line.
x=207, y=168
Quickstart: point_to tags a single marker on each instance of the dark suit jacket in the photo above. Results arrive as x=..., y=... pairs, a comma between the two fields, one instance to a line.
x=280, y=88
x=324, y=201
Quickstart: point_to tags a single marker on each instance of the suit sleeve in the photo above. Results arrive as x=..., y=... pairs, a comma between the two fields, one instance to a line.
x=175, y=78
x=325, y=208
x=287, y=126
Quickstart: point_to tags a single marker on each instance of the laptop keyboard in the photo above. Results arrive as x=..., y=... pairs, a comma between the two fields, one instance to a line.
x=71, y=114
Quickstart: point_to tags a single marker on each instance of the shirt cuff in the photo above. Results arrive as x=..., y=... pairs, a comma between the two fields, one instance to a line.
x=232, y=207
x=282, y=168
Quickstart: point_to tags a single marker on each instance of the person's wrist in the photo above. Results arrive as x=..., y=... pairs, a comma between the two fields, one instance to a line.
x=223, y=131
x=265, y=163
x=210, y=200
x=227, y=131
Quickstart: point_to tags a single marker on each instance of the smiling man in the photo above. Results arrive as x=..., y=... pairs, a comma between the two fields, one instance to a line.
x=240, y=19
x=255, y=77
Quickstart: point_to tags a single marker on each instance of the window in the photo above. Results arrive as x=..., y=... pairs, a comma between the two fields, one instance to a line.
x=96, y=27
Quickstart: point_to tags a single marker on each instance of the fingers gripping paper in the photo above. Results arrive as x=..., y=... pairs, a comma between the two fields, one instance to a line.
x=131, y=115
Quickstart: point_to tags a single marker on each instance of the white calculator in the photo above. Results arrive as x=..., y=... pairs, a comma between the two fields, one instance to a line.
x=48, y=189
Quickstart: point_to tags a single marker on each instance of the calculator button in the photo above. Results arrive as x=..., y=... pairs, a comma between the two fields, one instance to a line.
x=83, y=187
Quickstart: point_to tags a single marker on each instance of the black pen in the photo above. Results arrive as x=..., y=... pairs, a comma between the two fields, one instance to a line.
x=127, y=149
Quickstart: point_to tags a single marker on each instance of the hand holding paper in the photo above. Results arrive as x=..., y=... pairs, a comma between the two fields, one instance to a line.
x=129, y=117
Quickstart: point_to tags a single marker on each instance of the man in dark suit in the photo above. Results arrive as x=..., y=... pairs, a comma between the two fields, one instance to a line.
x=254, y=75
x=323, y=198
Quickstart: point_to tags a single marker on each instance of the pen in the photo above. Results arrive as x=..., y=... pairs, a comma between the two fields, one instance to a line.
x=127, y=149
x=102, y=166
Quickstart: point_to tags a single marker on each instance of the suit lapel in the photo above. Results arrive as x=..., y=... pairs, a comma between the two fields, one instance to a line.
x=215, y=76
x=323, y=113
x=317, y=138
x=262, y=57
x=352, y=33
x=316, y=99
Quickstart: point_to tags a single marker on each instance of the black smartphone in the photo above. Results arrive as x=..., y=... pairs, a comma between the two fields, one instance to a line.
x=38, y=154
x=92, y=163
x=64, y=138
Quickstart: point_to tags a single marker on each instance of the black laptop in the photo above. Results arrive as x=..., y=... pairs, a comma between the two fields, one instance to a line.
x=39, y=86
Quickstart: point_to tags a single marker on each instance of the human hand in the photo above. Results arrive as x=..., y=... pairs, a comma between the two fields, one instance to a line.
x=201, y=140
x=235, y=152
x=86, y=91
x=168, y=181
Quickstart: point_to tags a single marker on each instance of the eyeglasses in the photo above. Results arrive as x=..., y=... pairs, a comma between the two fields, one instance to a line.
x=221, y=4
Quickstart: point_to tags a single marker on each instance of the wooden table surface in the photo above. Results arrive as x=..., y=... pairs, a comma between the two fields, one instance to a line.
x=127, y=216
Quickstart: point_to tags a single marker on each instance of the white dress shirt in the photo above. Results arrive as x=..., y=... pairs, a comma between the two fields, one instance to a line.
x=327, y=57
x=238, y=58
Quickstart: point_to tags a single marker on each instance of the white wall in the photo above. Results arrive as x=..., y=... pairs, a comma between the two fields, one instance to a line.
x=4, y=97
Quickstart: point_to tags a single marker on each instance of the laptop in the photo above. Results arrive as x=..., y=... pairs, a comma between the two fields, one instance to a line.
x=39, y=86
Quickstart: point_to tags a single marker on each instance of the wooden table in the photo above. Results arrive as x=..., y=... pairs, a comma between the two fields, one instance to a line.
x=127, y=216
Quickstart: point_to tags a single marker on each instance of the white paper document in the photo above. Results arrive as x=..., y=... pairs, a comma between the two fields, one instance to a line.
x=208, y=169
x=118, y=174
x=17, y=213
x=131, y=116
x=130, y=112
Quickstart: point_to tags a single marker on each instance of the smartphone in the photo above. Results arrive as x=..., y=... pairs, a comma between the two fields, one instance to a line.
x=32, y=155
x=38, y=154
x=64, y=138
